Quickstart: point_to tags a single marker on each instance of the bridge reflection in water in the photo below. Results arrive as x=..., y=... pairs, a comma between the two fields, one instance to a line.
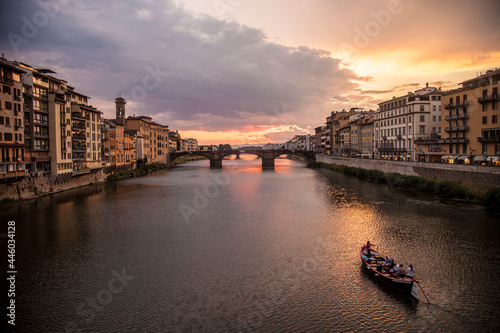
x=267, y=156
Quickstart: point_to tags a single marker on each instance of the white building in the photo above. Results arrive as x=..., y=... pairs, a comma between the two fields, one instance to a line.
x=402, y=120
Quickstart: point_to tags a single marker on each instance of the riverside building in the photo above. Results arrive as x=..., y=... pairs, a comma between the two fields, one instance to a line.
x=470, y=122
x=12, y=146
x=401, y=121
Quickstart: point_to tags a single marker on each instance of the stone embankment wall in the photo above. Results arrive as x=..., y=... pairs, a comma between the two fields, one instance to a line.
x=31, y=187
x=487, y=176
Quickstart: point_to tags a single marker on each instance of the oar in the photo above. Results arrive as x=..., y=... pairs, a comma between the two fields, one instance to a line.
x=422, y=290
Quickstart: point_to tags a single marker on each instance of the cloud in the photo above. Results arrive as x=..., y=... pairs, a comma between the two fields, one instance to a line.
x=211, y=75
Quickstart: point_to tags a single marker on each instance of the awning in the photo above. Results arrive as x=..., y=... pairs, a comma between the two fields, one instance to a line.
x=463, y=157
x=445, y=157
x=493, y=158
x=479, y=158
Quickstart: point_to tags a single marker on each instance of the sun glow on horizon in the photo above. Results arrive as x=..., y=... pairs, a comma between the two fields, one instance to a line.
x=250, y=135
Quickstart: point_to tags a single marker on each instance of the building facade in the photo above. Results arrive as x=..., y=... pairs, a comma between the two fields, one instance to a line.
x=470, y=121
x=152, y=138
x=12, y=147
x=402, y=120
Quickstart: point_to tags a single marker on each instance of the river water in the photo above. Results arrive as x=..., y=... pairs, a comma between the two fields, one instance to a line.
x=249, y=250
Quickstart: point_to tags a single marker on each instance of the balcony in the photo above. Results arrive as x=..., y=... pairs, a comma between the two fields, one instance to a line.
x=79, y=115
x=399, y=137
x=489, y=139
x=392, y=149
x=41, y=122
x=79, y=137
x=449, y=106
x=454, y=140
x=79, y=126
x=487, y=98
x=6, y=80
x=456, y=129
x=79, y=148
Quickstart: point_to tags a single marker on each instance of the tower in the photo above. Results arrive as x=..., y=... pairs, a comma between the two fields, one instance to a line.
x=120, y=110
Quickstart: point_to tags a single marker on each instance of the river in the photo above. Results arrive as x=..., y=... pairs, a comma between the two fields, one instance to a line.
x=243, y=249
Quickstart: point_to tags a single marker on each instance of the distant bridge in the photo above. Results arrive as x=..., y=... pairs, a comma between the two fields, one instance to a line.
x=267, y=156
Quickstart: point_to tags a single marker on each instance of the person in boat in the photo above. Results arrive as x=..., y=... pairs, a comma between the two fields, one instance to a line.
x=401, y=271
x=368, y=247
x=395, y=268
x=411, y=272
x=388, y=261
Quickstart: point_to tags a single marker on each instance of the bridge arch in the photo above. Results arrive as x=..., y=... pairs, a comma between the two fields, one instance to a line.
x=268, y=156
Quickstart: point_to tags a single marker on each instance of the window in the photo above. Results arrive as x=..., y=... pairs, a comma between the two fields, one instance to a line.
x=485, y=120
x=433, y=118
x=6, y=90
x=494, y=119
x=422, y=129
x=433, y=107
x=422, y=118
x=7, y=136
x=8, y=105
x=422, y=108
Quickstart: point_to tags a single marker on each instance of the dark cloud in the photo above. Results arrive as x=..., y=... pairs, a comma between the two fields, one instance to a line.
x=190, y=71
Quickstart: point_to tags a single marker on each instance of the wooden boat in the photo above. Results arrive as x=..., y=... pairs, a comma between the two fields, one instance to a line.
x=375, y=264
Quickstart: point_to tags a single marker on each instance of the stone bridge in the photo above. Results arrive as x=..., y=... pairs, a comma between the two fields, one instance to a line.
x=267, y=156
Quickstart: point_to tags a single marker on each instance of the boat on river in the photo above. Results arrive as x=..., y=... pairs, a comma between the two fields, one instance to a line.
x=376, y=265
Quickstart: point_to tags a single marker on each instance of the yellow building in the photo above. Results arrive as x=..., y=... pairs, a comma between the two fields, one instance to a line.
x=471, y=130
x=153, y=144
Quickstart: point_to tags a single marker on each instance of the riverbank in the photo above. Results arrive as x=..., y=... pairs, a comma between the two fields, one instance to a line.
x=148, y=168
x=490, y=197
x=34, y=187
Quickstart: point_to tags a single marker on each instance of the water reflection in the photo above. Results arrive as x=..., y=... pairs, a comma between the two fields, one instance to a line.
x=270, y=251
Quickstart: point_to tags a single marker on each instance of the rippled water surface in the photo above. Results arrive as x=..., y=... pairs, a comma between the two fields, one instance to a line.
x=241, y=249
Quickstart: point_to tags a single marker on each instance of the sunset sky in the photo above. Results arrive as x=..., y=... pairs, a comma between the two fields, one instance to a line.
x=251, y=71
